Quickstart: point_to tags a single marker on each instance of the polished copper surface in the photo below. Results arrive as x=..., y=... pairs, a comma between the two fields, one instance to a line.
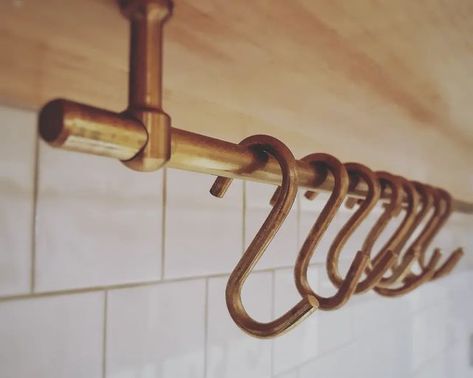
x=82, y=128
x=399, y=237
x=147, y=18
x=264, y=145
x=348, y=285
x=359, y=172
x=405, y=280
x=443, y=212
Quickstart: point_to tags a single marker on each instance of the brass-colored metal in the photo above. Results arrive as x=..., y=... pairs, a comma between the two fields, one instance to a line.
x=203, y=154
x=406, y=260
x=417, y=248
x=83, y=128
x=410, y=281
x=348, y=285
x=391, y=209
x=147, y=18
x=90, y=130
x=140, y=136
x=143, y=139
x=359, y=172
x=449, y=264
x=400, y=236
x=443, y=210
x=263, y=145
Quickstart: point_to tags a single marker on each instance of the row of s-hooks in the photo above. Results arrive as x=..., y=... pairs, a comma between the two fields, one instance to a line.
x=390, y=272
x=144, y=140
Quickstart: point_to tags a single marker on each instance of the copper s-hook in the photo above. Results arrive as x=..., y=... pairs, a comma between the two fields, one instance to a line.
x=357, y=172
x=411, y=281
x=402, y=233
x=279, y=212
x=340, y=189
x=443, y=213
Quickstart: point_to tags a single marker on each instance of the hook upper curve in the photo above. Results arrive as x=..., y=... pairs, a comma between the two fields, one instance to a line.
x=340, y=189
x=359, y=172
x=277, y=215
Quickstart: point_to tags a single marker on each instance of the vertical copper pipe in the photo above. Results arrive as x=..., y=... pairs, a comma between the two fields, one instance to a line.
x=147, y=18
x=146, y=43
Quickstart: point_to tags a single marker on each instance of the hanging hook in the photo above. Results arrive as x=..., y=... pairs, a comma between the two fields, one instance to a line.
x=279, y=212
x=443, y=210
x=398, y=239
x=388, y=258
x=411, y=281
x=340, y=189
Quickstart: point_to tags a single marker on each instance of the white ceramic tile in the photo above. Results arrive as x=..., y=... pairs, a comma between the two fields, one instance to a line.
x=156, y=331
x=378, y=312
x=430, y=293
x=383, y=353
x=203, y=233
x=435, y=368
x=52, y=337
x=339, y=364
x=429, y=334
x=98, y=222
x=17, y=162
x=231, y=353
x=335, y=328
x=310, y=210
x=302, y=343
x=458, y=359
x=371, y=356
x=283, y=249
x=289, y=374
x=323, y=331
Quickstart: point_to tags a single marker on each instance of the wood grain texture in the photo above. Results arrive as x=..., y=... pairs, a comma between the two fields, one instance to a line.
x=385, y=83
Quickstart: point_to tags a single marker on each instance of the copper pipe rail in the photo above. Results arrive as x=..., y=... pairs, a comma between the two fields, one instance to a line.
x=200, y=153
x=85, y=129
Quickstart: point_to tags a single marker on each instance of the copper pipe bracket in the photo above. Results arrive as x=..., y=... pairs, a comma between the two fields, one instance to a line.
x=147, y=18
x=141, y=135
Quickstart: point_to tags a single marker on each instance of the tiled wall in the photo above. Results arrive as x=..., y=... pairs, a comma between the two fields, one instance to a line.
x=105, y=272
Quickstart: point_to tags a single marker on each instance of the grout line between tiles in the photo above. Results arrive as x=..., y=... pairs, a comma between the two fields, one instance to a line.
x=127, y=285
x=163, y=221
x=34, y=213
x=104, y=341
x=325, y=353
x=429, y=360
x=243, y=228
x=273, y=310
x=298, y=221
x=206, y=326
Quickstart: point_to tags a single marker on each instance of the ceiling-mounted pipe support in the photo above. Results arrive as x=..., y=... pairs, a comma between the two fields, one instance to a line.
x=141, y=135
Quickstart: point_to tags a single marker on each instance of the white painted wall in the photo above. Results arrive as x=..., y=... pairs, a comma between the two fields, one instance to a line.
x=105, y=272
